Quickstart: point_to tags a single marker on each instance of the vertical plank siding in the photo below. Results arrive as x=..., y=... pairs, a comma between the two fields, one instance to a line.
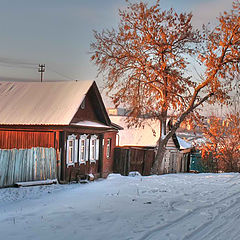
x=26, y=139
x=148, y=162
x=25, y=155
x=133, y=159
x=137, y=159
x=141, y=159
x=121, y=161
x=21, y=165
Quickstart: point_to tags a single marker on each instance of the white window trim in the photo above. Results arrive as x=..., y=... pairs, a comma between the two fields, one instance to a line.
x=72, y=137
x=109, y=145
x=94, y=156
x=74, y=146
x=86, y=144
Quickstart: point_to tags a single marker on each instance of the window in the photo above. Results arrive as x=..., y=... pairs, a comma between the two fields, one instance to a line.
x=70, y=151
x=109, y=140
x=94, y=148
x=72, y=146
x=83, y=148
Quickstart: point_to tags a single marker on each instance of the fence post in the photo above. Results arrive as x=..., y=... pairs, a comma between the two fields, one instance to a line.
x=128, y=162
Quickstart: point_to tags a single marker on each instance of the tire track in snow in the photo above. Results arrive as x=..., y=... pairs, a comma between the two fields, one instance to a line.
x=148, y=235
x=224, y=230
x=205, y=230
x=232, y=178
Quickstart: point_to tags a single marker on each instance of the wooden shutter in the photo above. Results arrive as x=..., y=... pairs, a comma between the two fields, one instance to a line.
x=75, y=151
x=79, y=151
x=87, y=150
x=67, y=152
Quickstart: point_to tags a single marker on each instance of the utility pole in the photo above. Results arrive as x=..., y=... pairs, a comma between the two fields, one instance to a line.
x=41, y=69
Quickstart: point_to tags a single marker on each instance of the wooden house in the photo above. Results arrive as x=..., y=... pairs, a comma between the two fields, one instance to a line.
x=54, y=130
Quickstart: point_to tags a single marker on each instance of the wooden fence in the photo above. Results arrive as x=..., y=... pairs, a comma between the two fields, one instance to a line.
x=22, y=165
x=127, y=159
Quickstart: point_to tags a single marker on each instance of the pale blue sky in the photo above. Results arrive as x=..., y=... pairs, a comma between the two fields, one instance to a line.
x=58, y=33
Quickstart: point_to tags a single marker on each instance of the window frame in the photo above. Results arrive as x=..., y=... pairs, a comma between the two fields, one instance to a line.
x=108, y=147
x=94, y=148
x=84, y=138
x=74, y=146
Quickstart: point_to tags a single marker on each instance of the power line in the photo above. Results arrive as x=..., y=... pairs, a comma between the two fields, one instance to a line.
x=24, y=64
x=60, y=74
x=16, y=62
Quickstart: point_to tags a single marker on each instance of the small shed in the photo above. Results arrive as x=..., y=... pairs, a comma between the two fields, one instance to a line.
x=52, y=130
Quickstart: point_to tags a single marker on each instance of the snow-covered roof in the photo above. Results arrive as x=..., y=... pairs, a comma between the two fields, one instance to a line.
x=47, y=103
x=144, y=136
x=91, y=124
x=183, y=144
x=137, y=136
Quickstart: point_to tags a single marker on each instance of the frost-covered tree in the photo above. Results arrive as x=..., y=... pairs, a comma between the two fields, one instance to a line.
x=145, y=62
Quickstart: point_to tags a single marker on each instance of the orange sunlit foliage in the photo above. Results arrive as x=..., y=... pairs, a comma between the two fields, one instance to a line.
x=145, y=63
x=222, y=55
x=145, y=59
x=222, y=146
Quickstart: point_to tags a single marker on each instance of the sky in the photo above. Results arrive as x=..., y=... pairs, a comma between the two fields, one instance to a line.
x=58, y=33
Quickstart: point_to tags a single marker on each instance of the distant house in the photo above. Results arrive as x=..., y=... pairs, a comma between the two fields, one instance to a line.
x=117, y=111
x=177, y=155
x=54, y=130
x=138, y=137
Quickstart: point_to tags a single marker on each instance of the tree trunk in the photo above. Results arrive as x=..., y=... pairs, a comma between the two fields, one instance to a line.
x=157, y=167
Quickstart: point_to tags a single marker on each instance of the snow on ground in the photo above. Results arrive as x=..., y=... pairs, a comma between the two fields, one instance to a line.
x=174, y=206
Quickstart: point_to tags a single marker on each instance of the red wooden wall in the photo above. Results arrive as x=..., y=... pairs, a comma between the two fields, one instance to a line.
x=107, y=166
x=72, y=173
x=26, y=139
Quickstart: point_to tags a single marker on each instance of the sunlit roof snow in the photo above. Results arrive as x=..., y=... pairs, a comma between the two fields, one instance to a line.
x=41, y=102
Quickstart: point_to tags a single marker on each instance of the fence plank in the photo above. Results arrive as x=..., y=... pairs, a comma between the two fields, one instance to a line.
x=128, y=159
x=148, y=162
x=27, y=165
x=4, y=167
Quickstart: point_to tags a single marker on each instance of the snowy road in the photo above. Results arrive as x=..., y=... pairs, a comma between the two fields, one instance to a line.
x=175, y=206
